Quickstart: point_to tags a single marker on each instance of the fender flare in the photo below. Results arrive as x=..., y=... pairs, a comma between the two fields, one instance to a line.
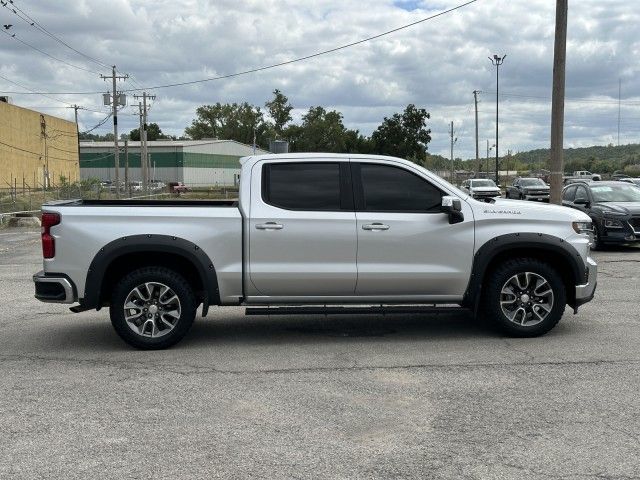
x=535, y=241
x=147, y=243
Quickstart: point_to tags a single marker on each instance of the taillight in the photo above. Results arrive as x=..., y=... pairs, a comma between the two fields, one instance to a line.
x=48, y=242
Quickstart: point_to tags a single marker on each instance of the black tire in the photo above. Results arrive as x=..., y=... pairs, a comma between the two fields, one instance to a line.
x=492, y=296
x=597, y=238
x=186, y=305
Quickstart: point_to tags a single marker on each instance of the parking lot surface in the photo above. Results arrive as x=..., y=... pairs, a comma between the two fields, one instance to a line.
x=401, y=396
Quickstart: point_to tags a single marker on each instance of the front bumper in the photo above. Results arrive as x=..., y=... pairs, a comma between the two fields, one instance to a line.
x=54, y=288
x=541, y=197
x=585, y=292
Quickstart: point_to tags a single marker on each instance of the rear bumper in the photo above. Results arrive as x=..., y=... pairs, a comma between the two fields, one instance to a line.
x=585, y=292
x=54, y=288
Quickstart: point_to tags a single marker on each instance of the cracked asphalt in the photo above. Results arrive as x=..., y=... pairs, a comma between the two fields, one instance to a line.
x=401, y=396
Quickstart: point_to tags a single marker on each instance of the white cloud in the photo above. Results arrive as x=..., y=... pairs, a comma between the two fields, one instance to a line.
x=435, y=65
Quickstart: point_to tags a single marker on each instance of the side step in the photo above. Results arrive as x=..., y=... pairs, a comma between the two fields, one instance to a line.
x=357, y=310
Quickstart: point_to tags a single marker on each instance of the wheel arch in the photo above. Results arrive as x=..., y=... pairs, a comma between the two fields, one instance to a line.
x=126, y=254
x=547, y=248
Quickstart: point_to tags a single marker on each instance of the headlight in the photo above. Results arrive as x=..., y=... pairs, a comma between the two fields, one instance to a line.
x=608, y=223
x=582, y=227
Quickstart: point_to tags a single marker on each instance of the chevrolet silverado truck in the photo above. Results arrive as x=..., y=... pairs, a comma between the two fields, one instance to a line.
x=528, y=189
x=317, y=233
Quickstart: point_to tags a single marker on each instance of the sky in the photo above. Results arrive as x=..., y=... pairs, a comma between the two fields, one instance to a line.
x=436, y=64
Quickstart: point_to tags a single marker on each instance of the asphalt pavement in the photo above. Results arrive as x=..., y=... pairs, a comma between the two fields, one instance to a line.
x=398, y=396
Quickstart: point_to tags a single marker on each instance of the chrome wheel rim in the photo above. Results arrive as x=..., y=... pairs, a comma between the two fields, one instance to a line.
x=526, y=299
x=152, y=309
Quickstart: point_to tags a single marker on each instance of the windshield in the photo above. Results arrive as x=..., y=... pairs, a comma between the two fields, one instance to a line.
x=483, y=183
x=532, y=182
x=616, y=193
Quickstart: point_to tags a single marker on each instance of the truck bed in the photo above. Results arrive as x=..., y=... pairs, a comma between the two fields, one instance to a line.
x=232, y=203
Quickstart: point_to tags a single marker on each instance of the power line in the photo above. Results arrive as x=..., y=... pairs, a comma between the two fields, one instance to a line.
x=288, y=62
x=13, y=36
x=35, y=153
x=38, y=26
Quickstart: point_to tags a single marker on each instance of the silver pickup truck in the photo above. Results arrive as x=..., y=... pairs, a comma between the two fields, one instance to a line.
x=317, y=233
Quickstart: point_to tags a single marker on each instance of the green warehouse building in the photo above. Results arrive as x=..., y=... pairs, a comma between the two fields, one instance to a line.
x=193, y=162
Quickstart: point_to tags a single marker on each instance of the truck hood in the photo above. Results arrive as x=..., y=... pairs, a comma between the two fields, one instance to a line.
x=628, y=208
x=534, y=210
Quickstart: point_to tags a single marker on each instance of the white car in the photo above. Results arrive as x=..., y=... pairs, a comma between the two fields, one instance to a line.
x=317, y=233
x=481, y=188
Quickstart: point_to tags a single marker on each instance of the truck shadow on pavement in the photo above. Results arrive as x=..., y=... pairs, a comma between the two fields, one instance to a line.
x=281, y=331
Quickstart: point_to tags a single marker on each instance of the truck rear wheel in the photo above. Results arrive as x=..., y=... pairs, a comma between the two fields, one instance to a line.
x=152, y=308
x=524, y=297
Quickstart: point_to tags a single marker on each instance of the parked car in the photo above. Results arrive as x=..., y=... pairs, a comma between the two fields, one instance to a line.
x=528, y=189
x=316, y=233
x=157, y=185
x=614, y=208
x=481, y=188
x=136, y=186
x=633, y=181
x=177, y=187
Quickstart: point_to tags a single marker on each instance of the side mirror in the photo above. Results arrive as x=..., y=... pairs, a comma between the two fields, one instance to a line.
x=452, y=206
x=581, y=201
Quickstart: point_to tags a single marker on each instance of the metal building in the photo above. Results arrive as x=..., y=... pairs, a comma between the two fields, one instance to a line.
x=36, y=149
x=193, y=162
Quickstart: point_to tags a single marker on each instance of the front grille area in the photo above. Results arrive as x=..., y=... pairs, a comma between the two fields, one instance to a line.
x=635, y=224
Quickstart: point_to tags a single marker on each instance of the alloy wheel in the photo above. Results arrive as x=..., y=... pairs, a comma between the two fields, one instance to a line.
x=152, y=309
x=526, y=299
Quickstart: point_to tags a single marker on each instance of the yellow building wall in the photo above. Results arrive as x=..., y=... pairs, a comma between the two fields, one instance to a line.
x=36, y=148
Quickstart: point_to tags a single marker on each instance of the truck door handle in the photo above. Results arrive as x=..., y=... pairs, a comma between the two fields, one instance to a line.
x=375, y=226
x=269, y=226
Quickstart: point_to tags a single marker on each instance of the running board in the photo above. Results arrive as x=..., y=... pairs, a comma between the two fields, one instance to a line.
x=372, y=310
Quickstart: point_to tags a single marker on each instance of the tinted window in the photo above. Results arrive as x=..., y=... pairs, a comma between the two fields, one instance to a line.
x=392, y=189
x=302, y=186
x=569, y=194
x=581, y=194
x=483, y=183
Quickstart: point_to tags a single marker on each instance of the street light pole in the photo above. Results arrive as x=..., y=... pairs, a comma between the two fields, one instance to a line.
x=489, y=148
x=497, y=61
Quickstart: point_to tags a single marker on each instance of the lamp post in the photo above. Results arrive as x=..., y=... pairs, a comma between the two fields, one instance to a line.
x=497, y=61
x=489, y=148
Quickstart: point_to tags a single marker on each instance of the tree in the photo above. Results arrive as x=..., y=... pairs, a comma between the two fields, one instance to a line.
x=153, y=133
x=404, y=135
x=320, y=131
x=107, y=137
x=280, y=111
x=230, y=121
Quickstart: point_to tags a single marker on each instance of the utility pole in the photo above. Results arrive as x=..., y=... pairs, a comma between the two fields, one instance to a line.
x=475, y=99
x=126, y=166
x=115, y=100
x=75, y=111
x=489, y=148
x=497, y=61
x=557, y=101
x=619, y=92
x=144, y=156
x=143, y=173
x=453, y=140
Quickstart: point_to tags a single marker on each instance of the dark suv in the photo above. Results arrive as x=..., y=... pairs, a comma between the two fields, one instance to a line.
x=528, y=189
x=614, y=208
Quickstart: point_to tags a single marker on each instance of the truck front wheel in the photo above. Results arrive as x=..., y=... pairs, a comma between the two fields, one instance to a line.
x=152, y=308
x=524, y=297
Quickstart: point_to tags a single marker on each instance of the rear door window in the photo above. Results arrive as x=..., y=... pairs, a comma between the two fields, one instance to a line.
x=311, y=186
